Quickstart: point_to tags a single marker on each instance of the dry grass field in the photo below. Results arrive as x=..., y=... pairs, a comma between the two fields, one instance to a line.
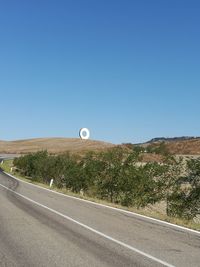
x=179, y=147
x=53, y=145
x=186, y=147
x=76, y=145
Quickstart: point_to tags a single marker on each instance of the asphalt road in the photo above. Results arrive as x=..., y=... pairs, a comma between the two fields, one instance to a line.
x=42, y=228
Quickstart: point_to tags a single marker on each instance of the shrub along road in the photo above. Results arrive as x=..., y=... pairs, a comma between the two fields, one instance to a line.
x=42, y=228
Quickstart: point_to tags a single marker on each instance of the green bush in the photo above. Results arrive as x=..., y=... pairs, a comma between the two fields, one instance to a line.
x=160, y=149
x=118, y=175
x=184, y=201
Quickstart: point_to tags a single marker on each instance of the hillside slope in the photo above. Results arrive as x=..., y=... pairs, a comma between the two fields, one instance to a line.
x=53, y=145
x=188, y=147
x=178, y=146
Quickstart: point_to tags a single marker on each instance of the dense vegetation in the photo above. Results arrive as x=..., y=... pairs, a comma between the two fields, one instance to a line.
x=117, y=175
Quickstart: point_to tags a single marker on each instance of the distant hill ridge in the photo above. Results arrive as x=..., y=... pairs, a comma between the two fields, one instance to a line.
x=185, y=145
x=172, y=139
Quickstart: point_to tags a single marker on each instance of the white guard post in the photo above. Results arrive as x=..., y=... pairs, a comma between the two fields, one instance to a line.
x=51, y=183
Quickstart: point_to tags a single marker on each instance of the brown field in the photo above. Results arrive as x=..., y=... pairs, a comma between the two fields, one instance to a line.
x=76, y=145
x=180, y=147
x=186, y=147
x=52, y=145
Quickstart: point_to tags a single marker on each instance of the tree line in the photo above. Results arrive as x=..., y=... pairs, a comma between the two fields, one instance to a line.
x=119, y=176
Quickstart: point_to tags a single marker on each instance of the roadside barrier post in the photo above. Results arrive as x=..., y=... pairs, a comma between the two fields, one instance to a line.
x=51, y=183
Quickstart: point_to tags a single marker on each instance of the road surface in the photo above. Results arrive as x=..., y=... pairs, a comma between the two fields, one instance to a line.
x=41, y=228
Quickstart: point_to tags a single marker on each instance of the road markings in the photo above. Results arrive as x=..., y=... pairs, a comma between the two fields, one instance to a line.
x=91, y=229
x=112, y=208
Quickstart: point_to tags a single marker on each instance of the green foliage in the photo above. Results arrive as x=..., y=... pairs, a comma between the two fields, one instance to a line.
x=111, y=172
x=135, y=148
x=139, y=149
x=6, y=165
x=184, y=201
x=33, y=165
x=117, y=175
x=160, y=149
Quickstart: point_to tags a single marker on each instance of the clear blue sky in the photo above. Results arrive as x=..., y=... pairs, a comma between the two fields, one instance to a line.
x=128, y=70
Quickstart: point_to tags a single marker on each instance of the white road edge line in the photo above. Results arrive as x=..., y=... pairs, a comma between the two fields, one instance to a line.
x=91, y=229
x=112, y=208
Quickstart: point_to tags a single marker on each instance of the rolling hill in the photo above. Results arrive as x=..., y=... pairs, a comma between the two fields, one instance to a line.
x=172, y=139
x=178, y=145
x=187, y=147
x=53, y=145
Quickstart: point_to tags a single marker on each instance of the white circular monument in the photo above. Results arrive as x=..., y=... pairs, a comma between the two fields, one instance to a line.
x=84, y=133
